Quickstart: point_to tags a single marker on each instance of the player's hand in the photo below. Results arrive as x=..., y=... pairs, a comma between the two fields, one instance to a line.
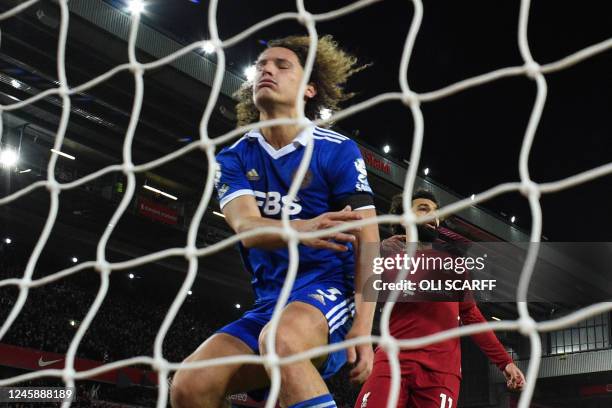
x=334, y=240
x=361, y=356
x=515, y=380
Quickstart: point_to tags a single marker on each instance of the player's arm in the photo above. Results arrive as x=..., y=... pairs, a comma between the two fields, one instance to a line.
x=366, y=249
x=242, y=214
x=491, y=346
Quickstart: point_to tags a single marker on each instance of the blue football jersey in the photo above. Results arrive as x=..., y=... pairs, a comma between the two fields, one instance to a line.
x=336, y=171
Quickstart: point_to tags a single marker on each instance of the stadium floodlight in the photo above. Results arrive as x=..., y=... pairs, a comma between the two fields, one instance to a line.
x=8, y=158
x=473, y=196
x=237, y=305
x=7, y=240
x=426, y=171
x=66, y=155
x=208, y=47
x=513, y=219
x=189, y=292
x=136, y=6
x=249, y=72
x=219, y=214
x=15, y=83
x=386, y=148
x=75, y=259
x=160, y=192
x=72, y=323
x=131, y=276
x=325, y=113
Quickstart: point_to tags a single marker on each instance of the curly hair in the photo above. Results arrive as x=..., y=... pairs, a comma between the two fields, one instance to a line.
x=332, y=68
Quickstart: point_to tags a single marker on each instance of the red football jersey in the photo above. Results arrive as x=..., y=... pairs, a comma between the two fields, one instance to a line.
x=410, y=320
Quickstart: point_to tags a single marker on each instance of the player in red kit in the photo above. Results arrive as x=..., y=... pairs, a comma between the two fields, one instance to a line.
x=431, y=375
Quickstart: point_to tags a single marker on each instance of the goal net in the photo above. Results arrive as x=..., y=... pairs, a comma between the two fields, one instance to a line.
x=531, y=190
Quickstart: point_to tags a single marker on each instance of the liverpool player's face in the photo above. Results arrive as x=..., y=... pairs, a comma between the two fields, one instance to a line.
x=422, y=207
x=277, y=79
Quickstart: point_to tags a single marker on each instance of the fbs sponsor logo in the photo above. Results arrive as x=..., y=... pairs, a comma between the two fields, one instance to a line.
x=42, y=363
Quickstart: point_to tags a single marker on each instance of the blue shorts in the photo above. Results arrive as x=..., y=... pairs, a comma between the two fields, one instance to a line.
x=333, y=299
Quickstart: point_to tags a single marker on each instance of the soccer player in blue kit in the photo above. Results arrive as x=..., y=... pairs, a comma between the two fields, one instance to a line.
x=253, y=179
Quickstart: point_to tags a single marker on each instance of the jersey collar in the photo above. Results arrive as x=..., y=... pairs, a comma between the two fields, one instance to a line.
x=300, y=139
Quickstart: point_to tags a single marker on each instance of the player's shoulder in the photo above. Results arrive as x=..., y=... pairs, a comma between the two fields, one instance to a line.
x=330, y=137
x=236, y=150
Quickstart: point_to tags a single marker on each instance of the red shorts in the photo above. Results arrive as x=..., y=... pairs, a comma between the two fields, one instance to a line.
x=419, y=388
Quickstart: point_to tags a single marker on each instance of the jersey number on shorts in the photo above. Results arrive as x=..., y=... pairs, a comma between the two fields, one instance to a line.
x=443, y=399
x=330, y=295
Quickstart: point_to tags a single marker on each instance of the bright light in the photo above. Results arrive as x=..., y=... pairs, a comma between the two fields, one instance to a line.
x=136, y=6
x=249, y=73
x=513, y=219
x=386, y=149
x=75, y=259
x=8, y=158
x=219, y=214
x=160, y=192
x=189, y=292
x=131, y=276
x=66, y=155
x=495, y=318
x=426, y=171
x=15, y=83
x=325, y=113
x=208, y=47
x=72, y=323
x=7, y=240
x=237, y=305
x=473, y=196
x=25, y=171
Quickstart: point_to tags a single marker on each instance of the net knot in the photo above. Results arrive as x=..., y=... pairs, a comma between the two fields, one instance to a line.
x=527, y=325
x=204, y=144
x=408, y=218
x=529, y=188
x=410, y=98
x=103, y=266
x=389, y=344
x=272, y=360
x=68, y=374
x=53, y=187
x=305, y=18
x=136, y=68
x=532, y=69
x=190, y=252
x=127, y=168
x=25, y=283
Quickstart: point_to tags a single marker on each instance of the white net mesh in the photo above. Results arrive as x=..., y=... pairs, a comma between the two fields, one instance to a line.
x=531, y=190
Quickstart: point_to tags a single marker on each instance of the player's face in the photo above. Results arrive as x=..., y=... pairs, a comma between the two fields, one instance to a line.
x=422, y=207
x=277, y=79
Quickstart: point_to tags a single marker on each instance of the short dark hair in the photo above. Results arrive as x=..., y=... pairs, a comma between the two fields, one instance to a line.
x=397, y=206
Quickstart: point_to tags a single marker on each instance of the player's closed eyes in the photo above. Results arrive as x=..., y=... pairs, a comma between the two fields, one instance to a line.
x=279, y=62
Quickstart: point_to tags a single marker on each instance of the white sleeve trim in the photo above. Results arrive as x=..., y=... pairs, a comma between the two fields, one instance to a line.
x=365, y=207
x=235, y=194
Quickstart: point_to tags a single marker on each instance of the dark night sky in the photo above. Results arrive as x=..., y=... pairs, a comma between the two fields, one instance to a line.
x=472, y=139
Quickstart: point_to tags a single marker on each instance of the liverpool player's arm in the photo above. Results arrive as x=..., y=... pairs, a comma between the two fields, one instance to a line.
x=491, y=346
